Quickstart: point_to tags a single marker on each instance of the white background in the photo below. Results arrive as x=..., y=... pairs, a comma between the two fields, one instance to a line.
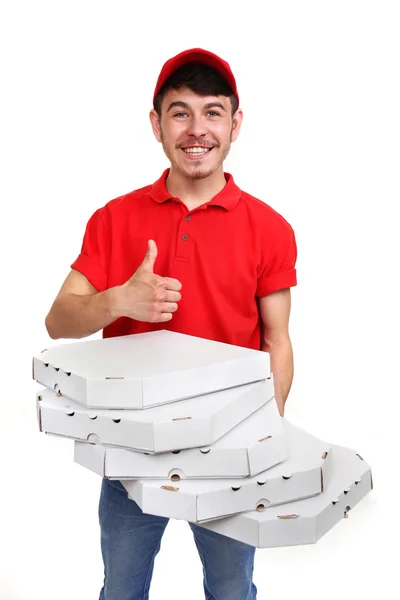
x=319, y=86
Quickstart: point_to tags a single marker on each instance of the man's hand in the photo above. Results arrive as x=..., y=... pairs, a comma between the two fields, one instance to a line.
x=146, y=296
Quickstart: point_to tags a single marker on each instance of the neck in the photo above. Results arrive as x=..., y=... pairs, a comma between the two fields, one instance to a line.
x=195, y=192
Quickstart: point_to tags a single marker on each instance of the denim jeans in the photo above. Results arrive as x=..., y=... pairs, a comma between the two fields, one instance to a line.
x=130, y=541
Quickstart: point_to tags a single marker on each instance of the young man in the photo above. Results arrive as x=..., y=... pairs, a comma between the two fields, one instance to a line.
x=194, y=254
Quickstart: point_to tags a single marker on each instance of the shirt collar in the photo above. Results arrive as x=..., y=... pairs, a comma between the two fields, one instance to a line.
x=228, y=197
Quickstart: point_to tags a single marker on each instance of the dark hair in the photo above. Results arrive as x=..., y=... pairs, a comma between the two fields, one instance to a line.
x=201, y=79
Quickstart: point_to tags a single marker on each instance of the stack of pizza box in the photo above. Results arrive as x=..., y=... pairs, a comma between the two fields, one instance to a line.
x=191, y=428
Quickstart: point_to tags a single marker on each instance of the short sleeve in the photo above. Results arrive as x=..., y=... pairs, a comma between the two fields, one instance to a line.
x=93, y=260
x=277, y=269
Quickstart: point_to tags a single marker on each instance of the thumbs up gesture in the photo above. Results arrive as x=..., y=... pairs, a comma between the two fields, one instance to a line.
x=147, y=296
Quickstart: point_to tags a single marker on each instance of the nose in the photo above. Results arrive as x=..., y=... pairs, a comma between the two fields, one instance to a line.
x=196, y=126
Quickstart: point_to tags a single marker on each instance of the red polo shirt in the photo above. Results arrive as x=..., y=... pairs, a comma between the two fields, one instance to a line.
x=226, y=253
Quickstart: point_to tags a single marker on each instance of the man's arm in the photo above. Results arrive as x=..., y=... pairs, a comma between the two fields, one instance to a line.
x=275, y=313
x=80, y=309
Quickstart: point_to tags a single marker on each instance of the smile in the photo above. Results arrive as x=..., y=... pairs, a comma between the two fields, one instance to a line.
x=196, y=151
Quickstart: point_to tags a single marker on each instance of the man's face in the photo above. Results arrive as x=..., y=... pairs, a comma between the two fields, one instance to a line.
x=196, y=131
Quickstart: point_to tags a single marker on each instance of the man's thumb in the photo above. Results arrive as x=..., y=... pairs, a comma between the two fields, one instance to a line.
x=150, y=257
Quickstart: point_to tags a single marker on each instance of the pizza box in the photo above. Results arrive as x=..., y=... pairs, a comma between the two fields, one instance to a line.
x=146, y=369
x=304, y=473
x=256, y=444
x=191, y=423
x=304, y=521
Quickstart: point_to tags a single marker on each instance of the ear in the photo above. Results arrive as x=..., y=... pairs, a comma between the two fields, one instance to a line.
x=236, y=124
x=155, y=124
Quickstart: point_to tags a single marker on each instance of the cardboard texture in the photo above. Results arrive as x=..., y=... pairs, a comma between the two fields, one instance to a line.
x=303, y=474
x=146, y=369
x=256, y=444
x=304, y=521
x=191, y=423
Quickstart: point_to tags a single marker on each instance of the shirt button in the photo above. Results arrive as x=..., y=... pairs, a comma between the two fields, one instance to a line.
x=185, y=237
x=187, y=218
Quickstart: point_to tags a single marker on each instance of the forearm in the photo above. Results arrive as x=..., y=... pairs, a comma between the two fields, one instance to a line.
x=281, y=356
x=77, y=316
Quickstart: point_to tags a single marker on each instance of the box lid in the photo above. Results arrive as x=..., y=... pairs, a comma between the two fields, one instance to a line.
x=146, y=369
x=256, y=444
x=302, y=474
x=304, y=521
x=195, y=422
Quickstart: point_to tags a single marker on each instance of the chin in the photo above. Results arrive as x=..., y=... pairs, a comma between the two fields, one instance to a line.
x=200, y=173
x=197, y=171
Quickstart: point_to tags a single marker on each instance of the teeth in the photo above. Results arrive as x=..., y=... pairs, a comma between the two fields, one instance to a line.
x=196, y=150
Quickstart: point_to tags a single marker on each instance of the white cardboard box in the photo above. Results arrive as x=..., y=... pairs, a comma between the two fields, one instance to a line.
x=304, y=521
x=191, y=423
x=303, y=474
x=146, y=369
x=256, y=444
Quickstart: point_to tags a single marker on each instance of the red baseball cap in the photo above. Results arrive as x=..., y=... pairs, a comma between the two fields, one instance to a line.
x=196, y=55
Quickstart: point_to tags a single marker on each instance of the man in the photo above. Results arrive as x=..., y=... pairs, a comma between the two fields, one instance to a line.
x=194, y=254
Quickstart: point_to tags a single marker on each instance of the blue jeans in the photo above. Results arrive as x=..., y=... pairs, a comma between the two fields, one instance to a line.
x=131, y=539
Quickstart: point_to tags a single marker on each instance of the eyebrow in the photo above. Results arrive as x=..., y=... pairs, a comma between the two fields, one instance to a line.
x=179, y=103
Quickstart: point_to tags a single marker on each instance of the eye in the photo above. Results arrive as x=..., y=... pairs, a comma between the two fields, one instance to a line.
x=213, y=113
x=180, y=114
